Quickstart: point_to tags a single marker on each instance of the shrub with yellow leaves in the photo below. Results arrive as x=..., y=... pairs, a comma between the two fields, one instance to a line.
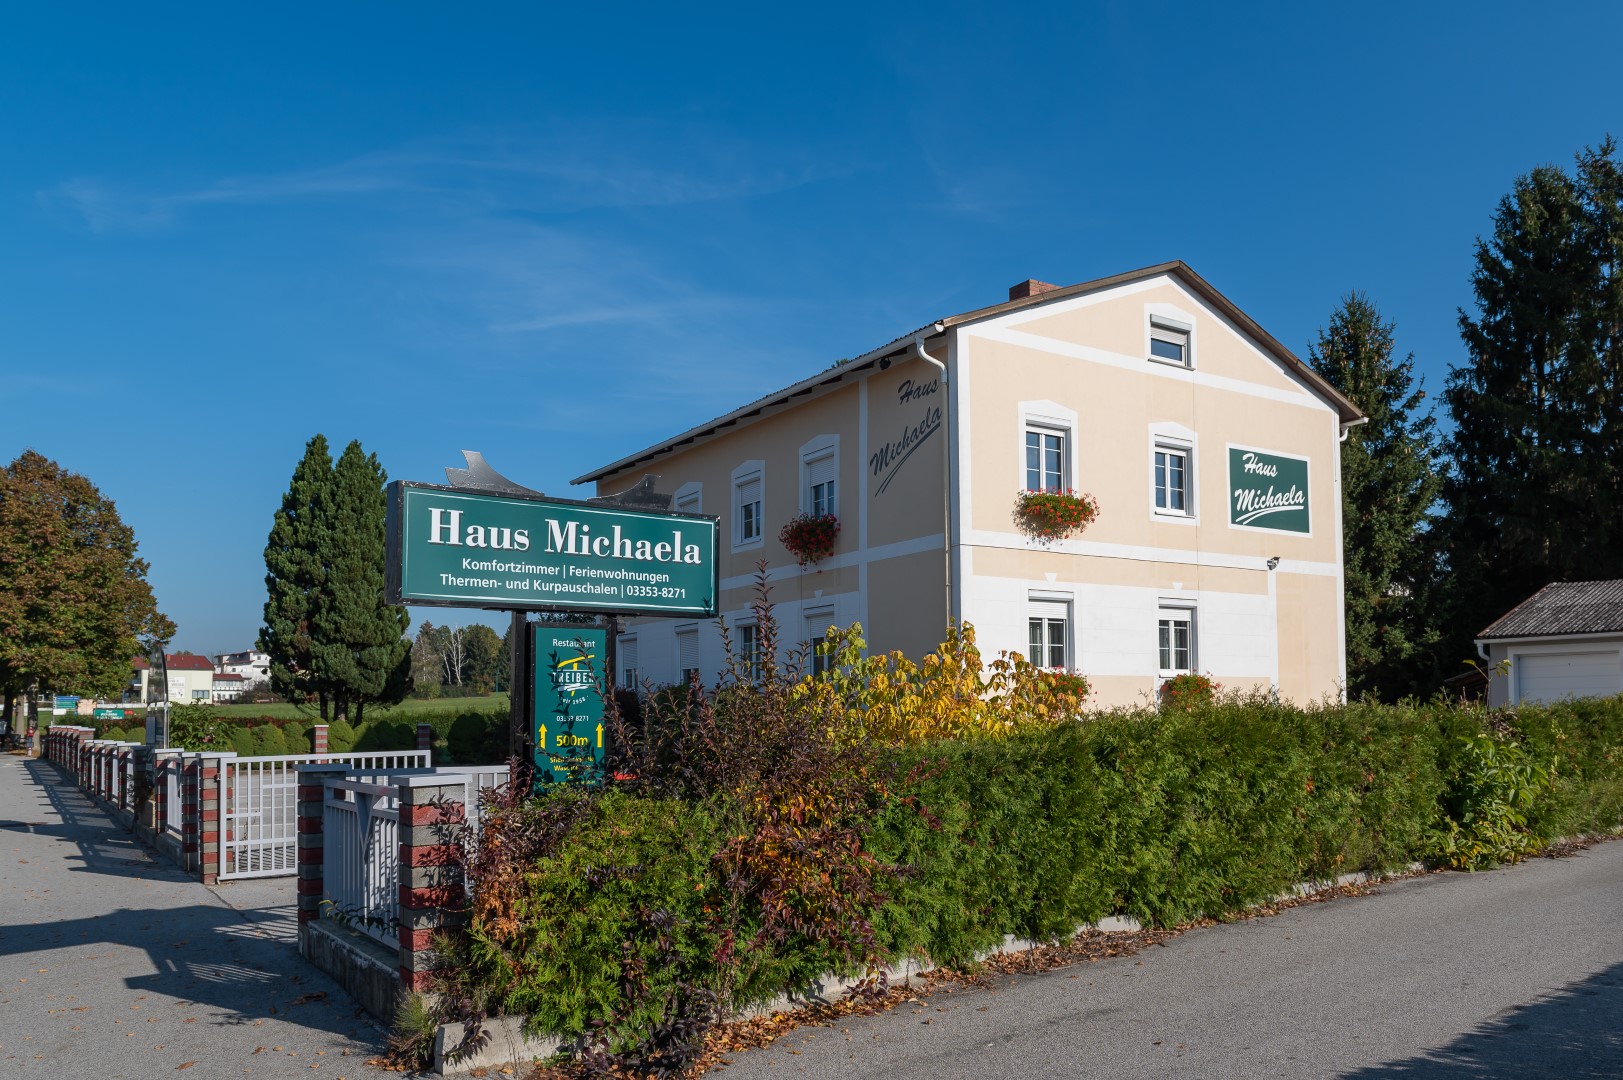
x=950, y=693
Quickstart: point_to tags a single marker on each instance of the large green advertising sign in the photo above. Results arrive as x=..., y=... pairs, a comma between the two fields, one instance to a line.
x=1268, y=491
x=568, y=722
x=455, y=548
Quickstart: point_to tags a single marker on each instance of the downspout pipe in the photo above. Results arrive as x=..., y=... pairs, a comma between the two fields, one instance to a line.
x=949, y=498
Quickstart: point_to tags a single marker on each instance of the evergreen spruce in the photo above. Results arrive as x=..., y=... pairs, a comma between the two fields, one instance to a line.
x=1389, y=483
x=359, y=649
x=1533, y=491
x=296, y=557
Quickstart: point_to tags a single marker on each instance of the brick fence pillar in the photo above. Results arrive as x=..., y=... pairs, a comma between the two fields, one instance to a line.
x=310, y=837
x=425, y=736
x=433, y=815
x=210, y=780
x=191, y=775
x=318, y=736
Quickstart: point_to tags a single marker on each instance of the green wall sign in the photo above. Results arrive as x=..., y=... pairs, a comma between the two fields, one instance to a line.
x=1268, y=491
x=455, y=548
x=570, y=664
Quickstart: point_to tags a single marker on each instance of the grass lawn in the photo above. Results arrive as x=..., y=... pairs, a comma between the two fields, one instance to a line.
x=488, y=703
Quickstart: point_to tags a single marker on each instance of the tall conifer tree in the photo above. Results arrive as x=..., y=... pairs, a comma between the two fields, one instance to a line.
x=1389, y=483
x=296, y=558
x=1533, y=485
x=359, y=649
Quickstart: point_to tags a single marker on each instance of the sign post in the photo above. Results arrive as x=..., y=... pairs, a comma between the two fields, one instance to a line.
x=488, y=543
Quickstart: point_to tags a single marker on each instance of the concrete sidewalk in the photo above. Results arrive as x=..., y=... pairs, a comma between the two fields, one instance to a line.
x=115, y=965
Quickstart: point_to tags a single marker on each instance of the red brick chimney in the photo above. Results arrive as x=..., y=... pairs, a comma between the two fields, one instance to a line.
x=1030, y=287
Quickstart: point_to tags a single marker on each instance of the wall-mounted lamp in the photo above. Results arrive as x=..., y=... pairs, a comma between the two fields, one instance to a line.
x=1273, y=562
x=884, y=363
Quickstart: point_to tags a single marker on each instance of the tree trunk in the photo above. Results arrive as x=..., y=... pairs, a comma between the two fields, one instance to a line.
x=323, y=697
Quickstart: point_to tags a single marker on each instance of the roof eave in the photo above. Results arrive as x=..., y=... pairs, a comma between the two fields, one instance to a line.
x=1348, y=413
x=822, y=381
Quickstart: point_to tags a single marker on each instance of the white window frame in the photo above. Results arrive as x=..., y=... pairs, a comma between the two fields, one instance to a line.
x=818, y=620
x=692, y=492
x=754, y=666
x=1052, y=608
x=628, y=650
x=1048, y=418
x=1173, y=325
x=749, y=471
x=823, y=448
x=1177, y=611
x=1175, y=438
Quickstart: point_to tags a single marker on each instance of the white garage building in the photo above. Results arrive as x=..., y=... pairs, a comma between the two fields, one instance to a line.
x=1565, y=641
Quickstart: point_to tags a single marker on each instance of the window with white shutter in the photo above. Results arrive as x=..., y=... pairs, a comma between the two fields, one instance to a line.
x=687, y=653
x=628, y=662
x=748, y=506
x=821, y=487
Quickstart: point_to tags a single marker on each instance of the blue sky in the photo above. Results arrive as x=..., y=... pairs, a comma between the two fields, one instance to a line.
x=555, y=233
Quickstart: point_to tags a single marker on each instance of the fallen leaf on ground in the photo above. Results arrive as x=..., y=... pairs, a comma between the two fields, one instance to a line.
x=184, y=1065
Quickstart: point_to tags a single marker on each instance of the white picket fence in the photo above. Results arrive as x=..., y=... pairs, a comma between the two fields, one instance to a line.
x=260, y=810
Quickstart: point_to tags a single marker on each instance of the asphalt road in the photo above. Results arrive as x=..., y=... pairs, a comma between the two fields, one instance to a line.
x=1513, y=973
x=116, y=966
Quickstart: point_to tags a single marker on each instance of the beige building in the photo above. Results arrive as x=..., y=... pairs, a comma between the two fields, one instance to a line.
x=1212, y=451
x=191, y=680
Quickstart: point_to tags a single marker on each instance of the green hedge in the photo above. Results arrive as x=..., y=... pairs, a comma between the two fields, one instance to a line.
x=1165, y=817
x=462, y=736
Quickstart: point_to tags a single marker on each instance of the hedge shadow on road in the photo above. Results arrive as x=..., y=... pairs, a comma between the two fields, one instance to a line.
x=1575, y=1032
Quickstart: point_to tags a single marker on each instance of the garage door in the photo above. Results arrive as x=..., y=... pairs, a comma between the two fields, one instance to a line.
x=1553, y=676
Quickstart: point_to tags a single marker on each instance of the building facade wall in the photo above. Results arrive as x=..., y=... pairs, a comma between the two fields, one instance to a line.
x=1080, y=368
x=885, y=433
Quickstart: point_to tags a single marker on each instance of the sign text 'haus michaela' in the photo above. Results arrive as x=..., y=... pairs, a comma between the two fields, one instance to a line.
x=456, y=548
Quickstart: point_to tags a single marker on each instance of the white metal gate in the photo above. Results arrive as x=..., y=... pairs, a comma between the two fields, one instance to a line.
x=260, y=807
x=361, y=855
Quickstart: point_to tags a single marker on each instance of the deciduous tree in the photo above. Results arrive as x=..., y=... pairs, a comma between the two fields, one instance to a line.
x=74, y=598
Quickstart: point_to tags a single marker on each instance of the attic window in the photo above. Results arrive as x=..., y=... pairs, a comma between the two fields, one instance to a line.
x=1169, y=341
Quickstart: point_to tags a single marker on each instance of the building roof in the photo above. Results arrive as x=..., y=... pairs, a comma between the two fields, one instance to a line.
x=226, y=676
x=179, y=663
x=1564, y=607
x=825, y=381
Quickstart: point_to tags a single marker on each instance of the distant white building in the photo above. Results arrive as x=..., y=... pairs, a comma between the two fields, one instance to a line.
x=252, y=666
x=228, y=686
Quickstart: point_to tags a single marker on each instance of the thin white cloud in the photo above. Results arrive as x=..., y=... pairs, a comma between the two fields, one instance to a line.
x=616, y=164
